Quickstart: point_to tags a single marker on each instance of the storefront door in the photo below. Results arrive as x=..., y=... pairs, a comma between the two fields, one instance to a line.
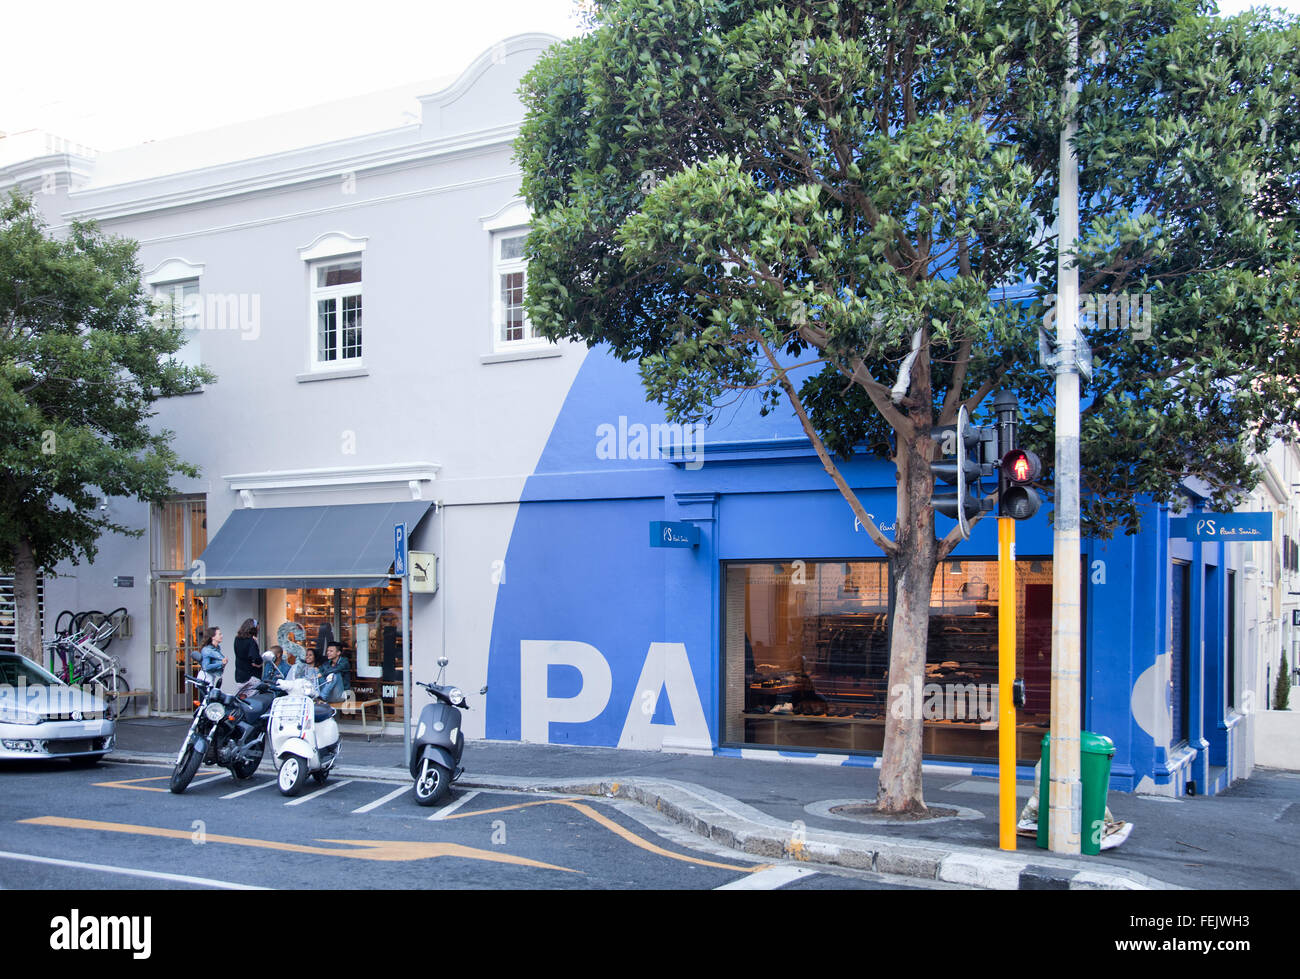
x=180, y=619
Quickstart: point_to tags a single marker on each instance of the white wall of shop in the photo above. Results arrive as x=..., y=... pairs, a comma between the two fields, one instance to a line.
x=418, y=196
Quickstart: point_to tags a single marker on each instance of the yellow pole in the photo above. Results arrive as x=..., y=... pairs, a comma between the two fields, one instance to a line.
x=1006, y=680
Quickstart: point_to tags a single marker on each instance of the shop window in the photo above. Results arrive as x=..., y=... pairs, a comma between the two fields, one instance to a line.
x=336, y=313
x=807, y=656
x=366, y=623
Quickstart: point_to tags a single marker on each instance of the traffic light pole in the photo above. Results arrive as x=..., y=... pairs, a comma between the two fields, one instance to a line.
x=1065, y=796
x=1006, y=681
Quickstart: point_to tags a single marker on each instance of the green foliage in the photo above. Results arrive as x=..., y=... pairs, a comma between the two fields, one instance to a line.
x=731, y=192
x=83, y=357
x=1282, y=692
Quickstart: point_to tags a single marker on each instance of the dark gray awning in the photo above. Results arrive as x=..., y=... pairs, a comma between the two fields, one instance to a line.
x=307, y=547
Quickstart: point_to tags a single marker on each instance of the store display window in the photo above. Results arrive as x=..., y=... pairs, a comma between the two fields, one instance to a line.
x=367, y=624
x=806, y=654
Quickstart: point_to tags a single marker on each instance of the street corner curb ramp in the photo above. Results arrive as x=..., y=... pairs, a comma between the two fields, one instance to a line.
x=731, y=823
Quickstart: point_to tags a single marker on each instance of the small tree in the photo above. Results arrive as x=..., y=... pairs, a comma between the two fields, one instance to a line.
x=83, y=358
x=1282, y=692
x=819, y=204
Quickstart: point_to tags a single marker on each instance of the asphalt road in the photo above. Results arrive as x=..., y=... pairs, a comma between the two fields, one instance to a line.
x=118, y=827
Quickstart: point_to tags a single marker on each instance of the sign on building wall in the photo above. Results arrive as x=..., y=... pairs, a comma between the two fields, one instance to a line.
x=1223, y=527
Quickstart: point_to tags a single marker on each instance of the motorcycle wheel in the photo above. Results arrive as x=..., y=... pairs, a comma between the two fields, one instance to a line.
x=292, y=774
x=185, y=769
x=432, y=784
x=246, y=769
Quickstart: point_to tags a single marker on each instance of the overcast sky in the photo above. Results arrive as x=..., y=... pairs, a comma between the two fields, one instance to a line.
x=117, y=73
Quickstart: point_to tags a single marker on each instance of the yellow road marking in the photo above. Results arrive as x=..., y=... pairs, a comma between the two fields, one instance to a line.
x=128, y=783
x=521, y=805
x=386, y=850
x=614, y=827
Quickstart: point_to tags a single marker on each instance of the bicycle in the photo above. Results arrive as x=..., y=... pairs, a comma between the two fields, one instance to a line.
x=84, y=662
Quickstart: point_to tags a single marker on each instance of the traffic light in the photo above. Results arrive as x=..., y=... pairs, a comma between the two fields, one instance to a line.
x=1019, y=468
x=959, y=465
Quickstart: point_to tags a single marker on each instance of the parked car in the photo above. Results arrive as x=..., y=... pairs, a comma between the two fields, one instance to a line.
x=43, y=717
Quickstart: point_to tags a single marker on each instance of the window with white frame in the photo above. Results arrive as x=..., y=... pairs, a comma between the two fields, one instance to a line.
x=336, y=312
x=181, y=306
x=511, y=327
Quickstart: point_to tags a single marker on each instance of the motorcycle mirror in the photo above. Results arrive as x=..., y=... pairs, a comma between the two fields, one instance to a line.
x=268, y=656
x=482, y=691
x=443, y=661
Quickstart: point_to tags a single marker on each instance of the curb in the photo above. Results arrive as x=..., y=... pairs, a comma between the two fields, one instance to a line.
x=733, y=824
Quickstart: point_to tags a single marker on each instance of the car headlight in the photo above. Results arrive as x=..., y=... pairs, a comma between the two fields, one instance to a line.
x=455, y=696
x=16, y=715
x=214, y=712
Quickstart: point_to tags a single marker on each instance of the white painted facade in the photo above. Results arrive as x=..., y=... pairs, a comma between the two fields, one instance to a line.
x=416, y=184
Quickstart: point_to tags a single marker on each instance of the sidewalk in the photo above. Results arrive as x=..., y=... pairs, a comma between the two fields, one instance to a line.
x=1240, y=839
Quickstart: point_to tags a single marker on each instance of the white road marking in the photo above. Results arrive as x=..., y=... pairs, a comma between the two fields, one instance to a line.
x=446, y=811
x=319, y=792
x=130, y=872
x=767, y=880
x=236, y=795
x=381, y=800
x=210, y=778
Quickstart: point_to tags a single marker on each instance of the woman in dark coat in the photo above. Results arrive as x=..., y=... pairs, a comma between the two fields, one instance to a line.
x=248, y=657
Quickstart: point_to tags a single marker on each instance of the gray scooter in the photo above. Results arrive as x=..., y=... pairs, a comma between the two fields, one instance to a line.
x=438, y=741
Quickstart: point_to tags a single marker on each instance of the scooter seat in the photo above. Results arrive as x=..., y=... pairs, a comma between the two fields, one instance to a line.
x=323, y=712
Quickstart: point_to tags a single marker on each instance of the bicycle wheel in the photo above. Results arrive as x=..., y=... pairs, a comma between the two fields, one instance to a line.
x=112, y=685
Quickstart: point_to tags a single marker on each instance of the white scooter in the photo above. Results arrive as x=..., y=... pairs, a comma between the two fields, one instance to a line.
x=304, y=735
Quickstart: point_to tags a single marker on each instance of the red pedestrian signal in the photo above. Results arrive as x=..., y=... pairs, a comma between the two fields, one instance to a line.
x=1021, y=466
x=1018, y=468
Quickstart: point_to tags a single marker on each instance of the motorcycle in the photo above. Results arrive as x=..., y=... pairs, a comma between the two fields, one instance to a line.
x=438, y=743
x=304, y=736
x=228, y=730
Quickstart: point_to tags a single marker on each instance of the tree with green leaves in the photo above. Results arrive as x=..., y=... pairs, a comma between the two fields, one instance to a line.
x=84, y=357
x=822, y=205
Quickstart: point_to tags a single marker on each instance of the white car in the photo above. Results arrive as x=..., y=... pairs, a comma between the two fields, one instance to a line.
x=43, y=717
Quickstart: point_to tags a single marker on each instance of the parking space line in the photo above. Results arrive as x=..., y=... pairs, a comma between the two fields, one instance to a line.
x=319, y=792
x=767, y=879
x=208, y=780
x=236, y=795
x=381, y=800
x=131, y=872
x=446, y=811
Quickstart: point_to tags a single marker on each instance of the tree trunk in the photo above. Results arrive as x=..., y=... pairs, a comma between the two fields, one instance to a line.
x=27, y=618
x=914, y=564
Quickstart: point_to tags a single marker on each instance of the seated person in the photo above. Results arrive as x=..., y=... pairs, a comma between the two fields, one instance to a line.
x=305, y=668
x=336, y=674
x=278, y=669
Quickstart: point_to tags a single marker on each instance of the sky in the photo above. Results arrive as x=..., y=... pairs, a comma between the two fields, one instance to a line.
x=120, y=73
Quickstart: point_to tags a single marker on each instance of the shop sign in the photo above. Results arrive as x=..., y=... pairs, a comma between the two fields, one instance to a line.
x=667, y=533
x=1223, y=527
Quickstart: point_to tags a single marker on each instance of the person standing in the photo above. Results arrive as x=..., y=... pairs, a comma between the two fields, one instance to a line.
x=248, y=656
x=212, y=661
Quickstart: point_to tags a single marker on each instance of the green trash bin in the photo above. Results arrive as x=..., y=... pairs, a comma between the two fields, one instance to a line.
x=1095, y=753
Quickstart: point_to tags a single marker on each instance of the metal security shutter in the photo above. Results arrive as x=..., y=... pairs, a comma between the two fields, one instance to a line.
x=8, y=613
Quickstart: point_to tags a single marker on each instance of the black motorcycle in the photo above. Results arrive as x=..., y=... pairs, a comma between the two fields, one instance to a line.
x=438, y=742
x=228, y=730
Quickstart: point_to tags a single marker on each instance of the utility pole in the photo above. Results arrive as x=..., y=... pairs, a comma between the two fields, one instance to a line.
x=1065, y=787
